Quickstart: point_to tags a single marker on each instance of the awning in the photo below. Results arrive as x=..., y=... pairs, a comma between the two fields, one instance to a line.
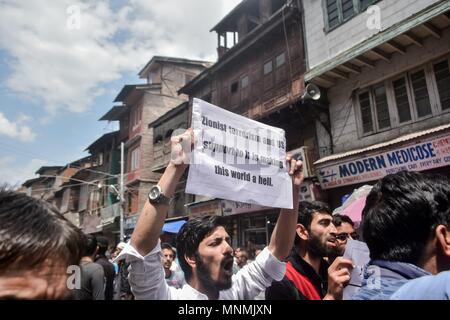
x=173, y=226
x=415, y=152
x=402, y=139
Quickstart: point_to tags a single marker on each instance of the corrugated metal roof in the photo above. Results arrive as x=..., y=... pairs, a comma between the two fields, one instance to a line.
x=404, y=138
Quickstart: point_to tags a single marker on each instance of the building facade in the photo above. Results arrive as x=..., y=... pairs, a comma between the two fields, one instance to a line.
x=260, y=74
x=140, y=105
x=385, y=68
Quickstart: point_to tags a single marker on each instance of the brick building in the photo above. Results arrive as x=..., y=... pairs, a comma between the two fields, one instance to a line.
x=140, y=105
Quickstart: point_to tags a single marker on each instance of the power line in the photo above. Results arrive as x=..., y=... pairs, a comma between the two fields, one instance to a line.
x=82, y=182
x=28, y=153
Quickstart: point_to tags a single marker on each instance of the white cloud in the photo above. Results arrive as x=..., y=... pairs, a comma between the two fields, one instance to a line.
x=14, y=174
x=17, y=129
x=64, y=69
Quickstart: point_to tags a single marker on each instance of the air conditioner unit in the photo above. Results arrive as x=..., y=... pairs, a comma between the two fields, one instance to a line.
x=305, y=154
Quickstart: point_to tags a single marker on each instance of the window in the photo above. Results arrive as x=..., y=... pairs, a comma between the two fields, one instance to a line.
x=407, y=98
x=402, y=100
x=382, y=108
x=268, y=67
x=136, y=117
x=332, y=13
x=419, y=86
x=244, y=82
x=442, y=76
x=366, y=112
x=339, y=11
x=134, y=159
x=280, y=60
x=234, y=87
x=374, y=105
x=364, y=4
x=348, y=9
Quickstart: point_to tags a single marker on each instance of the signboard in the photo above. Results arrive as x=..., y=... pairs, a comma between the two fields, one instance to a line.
x=239, y=159
x=207, y=208
x=428, y=154
x=232, y=207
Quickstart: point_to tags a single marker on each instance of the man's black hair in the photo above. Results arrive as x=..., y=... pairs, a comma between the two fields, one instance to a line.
x=190, y=236
x=339, y=219
x=306, y=211
x=103, y=244
x=167, y=246
x=32, y=232
x=402, y=211
x=90, y=245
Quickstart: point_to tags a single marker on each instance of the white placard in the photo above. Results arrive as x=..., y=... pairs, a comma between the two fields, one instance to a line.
x=239, y=159
x=359, y=253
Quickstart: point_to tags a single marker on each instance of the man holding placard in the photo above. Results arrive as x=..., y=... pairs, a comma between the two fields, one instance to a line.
x=203, y=244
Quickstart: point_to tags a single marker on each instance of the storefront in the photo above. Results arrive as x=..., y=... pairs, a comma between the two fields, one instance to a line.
x=424, y=151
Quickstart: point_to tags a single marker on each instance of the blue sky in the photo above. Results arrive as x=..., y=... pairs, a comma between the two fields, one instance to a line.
x=63, y=62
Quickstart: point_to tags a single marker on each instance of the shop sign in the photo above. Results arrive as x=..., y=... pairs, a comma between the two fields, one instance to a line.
x=209, y=208
x=233, y=207
x=428, y=154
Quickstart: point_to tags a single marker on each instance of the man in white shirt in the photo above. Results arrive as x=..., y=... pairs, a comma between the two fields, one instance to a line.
x=173, y=278
x=203, y=246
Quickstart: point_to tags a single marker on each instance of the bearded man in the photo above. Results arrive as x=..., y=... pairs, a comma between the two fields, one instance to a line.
x=203, y=246
x=308, y=275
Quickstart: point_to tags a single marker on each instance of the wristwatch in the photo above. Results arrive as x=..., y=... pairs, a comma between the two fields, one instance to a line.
x=156, y=196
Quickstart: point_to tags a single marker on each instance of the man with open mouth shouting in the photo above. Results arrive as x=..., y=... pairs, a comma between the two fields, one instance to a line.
x=204, y=246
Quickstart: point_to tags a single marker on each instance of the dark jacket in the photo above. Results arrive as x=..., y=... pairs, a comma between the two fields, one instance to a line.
x=301, y=282
x=108, y=269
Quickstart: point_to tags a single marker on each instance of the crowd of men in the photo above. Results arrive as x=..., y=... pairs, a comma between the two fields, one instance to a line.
x=405, y=224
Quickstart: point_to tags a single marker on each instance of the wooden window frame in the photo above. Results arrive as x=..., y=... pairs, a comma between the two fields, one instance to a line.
x=394, y=100
x=360, y=124
x=357, y=10
x=434, y=84
x=135, y=162
x=428, y=83
x=433, y=94
x=374, y=106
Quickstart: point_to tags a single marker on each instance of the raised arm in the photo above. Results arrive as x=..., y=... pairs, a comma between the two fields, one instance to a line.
x=149, y=225
x=283, y=235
